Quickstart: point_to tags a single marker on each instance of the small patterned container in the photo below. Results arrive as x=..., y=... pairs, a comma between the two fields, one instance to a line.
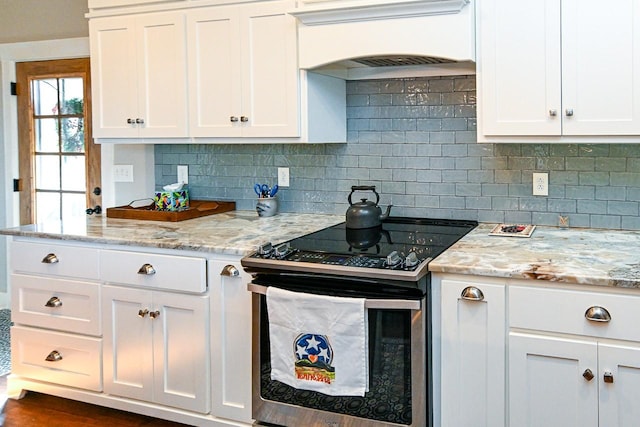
x=172, y=200
x=267, y=206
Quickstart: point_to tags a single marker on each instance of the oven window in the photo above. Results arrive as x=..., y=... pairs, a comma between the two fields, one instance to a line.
x=389, y=395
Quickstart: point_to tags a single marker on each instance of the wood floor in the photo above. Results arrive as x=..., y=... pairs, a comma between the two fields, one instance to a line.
x=41, y=410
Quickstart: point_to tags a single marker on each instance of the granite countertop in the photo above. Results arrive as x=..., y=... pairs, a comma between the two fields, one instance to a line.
x=232, y=233
x=575, y=255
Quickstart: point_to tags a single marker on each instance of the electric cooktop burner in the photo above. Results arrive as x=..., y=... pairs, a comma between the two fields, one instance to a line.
x=400, y=248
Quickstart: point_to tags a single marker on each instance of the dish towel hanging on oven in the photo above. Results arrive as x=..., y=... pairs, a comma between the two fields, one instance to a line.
x=319, y=343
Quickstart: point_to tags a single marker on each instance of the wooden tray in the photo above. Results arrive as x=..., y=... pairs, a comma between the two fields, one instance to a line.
x=197, y=208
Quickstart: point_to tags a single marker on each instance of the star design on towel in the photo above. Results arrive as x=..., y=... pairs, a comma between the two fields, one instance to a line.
x=313, y=347
x=301, y=351
x=313, y=343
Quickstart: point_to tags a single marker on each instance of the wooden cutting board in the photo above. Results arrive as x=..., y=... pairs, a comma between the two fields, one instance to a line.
x=197, y=208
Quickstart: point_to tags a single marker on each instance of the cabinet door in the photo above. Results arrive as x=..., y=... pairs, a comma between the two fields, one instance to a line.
x=214, y=72
x=519, y=67
x=473, y=355
x=128, y=346
x=181, y=350
x=230, y=341
x=270, y=70
x=600, y=67
x=617, y=401
x=162, y=74
x=113, y=77
x=546, y=383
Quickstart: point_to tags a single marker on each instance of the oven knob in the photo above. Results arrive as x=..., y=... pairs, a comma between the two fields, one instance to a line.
x=411, y=260
x=282, y=250
x=393, y=259
x=265, y=249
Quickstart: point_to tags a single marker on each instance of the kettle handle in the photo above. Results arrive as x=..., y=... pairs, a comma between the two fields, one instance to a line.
x=364, y=188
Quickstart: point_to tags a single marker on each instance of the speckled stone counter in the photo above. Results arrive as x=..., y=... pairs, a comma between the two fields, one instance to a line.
x=575, y=255
x=232, y=233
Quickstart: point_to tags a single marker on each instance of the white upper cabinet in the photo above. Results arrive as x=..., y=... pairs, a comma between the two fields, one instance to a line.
x=558, y=70
x=138, y=70
x=99, y=4
x=243, y=71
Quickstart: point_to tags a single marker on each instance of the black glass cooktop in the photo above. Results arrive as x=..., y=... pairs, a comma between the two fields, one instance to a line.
x=400, y=244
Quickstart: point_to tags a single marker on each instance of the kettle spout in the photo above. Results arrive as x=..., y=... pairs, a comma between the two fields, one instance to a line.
x=386, y=214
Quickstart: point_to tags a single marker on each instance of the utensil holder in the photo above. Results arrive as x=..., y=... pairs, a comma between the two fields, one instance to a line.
x=267, y=206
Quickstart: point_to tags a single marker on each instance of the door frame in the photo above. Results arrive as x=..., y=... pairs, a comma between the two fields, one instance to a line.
x=42, y=70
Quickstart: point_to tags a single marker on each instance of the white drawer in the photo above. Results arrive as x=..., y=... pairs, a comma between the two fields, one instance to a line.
x=65, y=305
x=79, y=365
x=70, y=261
x=181, y=273
x=563, y=311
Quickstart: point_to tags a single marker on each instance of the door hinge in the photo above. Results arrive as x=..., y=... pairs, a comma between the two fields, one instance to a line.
x=17, y=185
x=14, y=88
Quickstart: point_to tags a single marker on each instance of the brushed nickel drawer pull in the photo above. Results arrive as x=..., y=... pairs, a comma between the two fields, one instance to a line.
x=597, y=314
x=230, y=271
x=154, y=314
x=53, y=302
x=50, y=259
x=471, y=293
x=588, y=374
x=143, y=313
x=147, y=270
x=54, y=356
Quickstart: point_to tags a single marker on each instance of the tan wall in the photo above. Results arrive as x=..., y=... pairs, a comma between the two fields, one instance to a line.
x=30, y=20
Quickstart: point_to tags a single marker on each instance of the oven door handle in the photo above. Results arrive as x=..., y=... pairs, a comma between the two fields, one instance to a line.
x=385, y=304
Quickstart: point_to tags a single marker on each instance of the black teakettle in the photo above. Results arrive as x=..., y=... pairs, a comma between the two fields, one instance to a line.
x=365, y=214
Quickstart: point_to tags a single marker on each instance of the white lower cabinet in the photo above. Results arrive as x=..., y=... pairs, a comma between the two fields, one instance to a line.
x=156, y=347
x=472, y=339
x=230, y=340
x=574, y=357
x=163, y=333
x=546, y=383
x=56, y=357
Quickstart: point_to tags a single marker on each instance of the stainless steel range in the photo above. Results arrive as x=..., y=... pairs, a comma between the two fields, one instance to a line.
x=386, y=265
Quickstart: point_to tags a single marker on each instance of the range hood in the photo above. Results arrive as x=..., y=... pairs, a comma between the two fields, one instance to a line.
x=362, y=39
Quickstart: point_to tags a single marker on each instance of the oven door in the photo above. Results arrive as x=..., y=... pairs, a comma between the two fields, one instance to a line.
x=398, y=361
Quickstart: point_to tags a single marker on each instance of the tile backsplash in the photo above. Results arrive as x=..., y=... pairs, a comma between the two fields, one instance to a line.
x=415, y=140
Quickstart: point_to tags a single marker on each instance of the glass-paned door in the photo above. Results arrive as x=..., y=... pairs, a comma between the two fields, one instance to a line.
x=58, y=119
x=59, y=164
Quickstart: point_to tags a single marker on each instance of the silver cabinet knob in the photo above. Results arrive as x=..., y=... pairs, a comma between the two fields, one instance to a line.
x=233, y=119
x=54, y=356
x=154, y=314
x=244, y=119
x=597, y=314
x=50, y=259
x=53, y=302
x=553, y=113
x=569, y=112
x=143, y=313
x=147, y=270
x=608, y=377
x=471, y=293
x=588, y=374
x=230, y=271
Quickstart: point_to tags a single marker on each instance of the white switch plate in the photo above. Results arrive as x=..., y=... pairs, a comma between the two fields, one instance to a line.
x=123, y=173
x=183, y=174
x=541, y=184
x=283, y=177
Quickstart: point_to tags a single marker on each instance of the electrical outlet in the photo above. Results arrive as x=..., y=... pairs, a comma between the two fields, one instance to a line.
x=123, y=173
x=540, y=184
x=283, y=177
x=183, y=174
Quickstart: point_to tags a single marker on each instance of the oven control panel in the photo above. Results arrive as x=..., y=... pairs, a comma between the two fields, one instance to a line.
x=284, y=252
